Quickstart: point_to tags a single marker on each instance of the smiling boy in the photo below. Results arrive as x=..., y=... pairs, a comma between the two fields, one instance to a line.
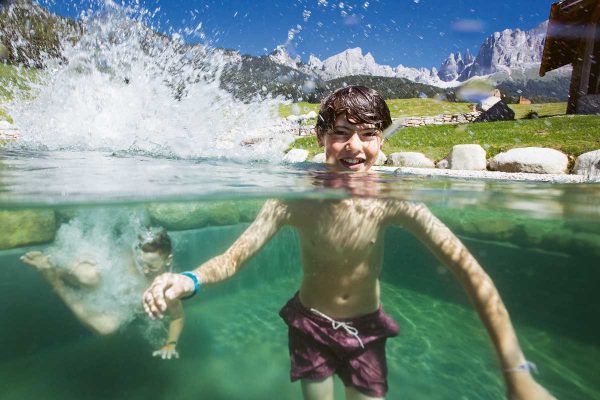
x=336, y=324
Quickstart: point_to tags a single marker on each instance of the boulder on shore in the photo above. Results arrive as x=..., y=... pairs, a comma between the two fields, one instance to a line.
x=26, y=227
x=443, y=164
x=538, y=160
x=410, y=159
x=588, y=164
x=319, y=158
x=470, y=157
x=494, y=109
x=381, y=158
x=295, y=156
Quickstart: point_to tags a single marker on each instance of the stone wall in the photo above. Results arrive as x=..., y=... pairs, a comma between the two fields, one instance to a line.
x=441, y=119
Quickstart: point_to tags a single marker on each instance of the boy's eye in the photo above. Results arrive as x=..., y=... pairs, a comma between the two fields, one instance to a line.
x=369, y=135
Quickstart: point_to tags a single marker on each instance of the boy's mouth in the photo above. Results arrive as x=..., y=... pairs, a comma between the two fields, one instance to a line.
x=352, y=163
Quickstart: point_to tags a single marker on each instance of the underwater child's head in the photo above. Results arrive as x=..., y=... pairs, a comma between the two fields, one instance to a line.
x=350, y=126
x=153, y=253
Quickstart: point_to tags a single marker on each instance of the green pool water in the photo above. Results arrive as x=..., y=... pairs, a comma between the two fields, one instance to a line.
x=234, y=345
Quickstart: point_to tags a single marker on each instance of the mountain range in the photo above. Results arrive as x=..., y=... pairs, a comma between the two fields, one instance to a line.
x=502, y=52
x=509, y=59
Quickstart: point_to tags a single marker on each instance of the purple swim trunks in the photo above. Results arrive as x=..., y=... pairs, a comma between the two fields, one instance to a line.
x=353, y=348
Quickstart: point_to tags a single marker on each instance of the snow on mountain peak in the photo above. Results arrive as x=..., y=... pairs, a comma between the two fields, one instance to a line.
x=281, y=56
x=501, y=50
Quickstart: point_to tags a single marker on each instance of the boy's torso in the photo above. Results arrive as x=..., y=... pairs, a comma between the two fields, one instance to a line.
x=342, y=252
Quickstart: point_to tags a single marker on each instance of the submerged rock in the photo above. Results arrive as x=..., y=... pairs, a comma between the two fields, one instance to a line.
x=537, y=160
x=183, y=216
x=410, y=159
x=249, y=209
x=26, y=227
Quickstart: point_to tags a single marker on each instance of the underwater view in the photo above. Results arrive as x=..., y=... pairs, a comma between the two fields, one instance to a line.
x=139, y=145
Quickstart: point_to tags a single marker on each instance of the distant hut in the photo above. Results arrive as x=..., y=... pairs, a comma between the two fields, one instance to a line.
x=524, y=100
x=573, y=37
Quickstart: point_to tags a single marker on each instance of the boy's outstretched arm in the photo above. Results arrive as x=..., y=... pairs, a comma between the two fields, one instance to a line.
x=169, y=286
x=481, y=290
x=176, y=324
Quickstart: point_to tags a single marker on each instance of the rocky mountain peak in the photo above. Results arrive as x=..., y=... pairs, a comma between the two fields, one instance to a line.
x=281, y=56
x=509, y=49
x=468, y=57
x=453, y=66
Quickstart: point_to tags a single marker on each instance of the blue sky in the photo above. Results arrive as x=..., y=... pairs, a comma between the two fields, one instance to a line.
x=415, y=33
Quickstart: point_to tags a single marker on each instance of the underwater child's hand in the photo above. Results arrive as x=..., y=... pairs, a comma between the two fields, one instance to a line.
x=166, y=352
x=165, y=289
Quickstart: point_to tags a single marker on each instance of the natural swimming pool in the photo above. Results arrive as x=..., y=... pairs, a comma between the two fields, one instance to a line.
x=538, y=242
x=126, y=129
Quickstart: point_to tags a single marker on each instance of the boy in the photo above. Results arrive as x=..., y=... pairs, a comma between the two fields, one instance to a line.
x=336, y=324
x=152, y=257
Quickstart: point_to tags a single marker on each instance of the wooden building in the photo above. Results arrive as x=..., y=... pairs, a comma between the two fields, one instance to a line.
x=573, y=37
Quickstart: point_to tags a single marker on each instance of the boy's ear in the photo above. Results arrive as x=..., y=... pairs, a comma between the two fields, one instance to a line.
x=169, y=260
x=319, y=138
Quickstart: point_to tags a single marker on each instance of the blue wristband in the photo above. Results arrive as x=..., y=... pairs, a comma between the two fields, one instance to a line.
x=193, y=277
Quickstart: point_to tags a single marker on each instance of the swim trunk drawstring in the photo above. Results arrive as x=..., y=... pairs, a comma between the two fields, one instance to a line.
x=337, y=324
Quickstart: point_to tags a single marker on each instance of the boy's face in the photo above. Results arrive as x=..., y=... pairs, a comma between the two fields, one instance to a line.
x=152, y=263
x=350, y=146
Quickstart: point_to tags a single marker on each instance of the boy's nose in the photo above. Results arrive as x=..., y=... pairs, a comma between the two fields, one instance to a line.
x=354, y=142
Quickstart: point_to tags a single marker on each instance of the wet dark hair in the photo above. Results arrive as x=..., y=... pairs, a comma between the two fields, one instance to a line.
x=156, y=241
x=359, y=103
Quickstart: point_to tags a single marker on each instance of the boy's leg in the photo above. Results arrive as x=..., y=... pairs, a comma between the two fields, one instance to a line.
x=353, y=394
x=83, y=273
x=318, y=390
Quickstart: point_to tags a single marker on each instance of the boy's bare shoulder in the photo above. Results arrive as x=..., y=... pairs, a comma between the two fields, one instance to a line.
x=380, y=209
x=275, y=209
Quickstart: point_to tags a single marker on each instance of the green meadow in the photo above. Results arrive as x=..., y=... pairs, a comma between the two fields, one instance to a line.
x=572, y=135
x=402, y=108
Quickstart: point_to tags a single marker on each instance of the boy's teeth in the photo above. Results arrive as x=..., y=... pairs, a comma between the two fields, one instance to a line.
x=351, y=160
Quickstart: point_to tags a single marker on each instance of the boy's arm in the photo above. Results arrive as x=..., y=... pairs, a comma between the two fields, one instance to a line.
x=176, y=324
x=169, y=286
x=481, y=290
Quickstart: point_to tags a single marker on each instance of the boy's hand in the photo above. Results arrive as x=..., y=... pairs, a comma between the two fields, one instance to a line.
x=522, y=386
x=166, y=352
x=37, y=259
x=164, y=289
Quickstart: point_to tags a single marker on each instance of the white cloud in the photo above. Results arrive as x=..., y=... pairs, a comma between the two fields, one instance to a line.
x=468, y=25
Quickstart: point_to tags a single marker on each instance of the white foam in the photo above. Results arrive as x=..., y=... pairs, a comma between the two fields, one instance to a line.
x=122, y=87
x=104, y=236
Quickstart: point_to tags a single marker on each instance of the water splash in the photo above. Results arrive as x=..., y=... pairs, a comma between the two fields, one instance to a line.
x=122, y=86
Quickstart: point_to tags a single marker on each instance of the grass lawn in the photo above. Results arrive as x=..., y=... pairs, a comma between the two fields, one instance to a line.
x=4, y=116
x=401, y=108
x=10, y=75
x=572, y=135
